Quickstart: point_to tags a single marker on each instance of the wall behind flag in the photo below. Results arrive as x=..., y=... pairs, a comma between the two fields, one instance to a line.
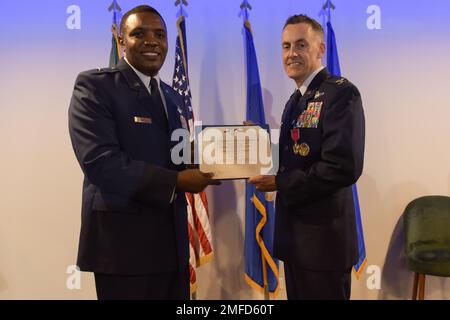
x=400, y=69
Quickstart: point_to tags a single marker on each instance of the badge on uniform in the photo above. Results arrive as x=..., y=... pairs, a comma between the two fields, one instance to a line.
x=145, y=120
x=303, y=149
x=295, y=135
x=310, y=117
x=318, y=94
x=300, y=149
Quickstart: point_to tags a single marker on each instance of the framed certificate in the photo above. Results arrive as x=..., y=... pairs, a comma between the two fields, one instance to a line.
x=234, y=151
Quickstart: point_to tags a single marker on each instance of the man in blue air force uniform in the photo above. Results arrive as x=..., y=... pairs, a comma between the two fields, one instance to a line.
x=134, y=225
x=321, y=156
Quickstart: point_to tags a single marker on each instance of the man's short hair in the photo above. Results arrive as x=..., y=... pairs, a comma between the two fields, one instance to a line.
x=303, y=18
x=139, y=9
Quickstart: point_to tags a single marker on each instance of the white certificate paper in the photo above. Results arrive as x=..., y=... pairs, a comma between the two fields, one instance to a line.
x=234, y=152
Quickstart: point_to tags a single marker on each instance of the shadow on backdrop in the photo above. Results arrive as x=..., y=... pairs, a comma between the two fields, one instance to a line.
x=397, y=279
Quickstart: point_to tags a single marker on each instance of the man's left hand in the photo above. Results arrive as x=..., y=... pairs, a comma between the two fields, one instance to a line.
x=264, y=183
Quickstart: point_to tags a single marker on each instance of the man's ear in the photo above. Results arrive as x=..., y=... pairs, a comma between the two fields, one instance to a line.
x=322, y=49
x=121, y=41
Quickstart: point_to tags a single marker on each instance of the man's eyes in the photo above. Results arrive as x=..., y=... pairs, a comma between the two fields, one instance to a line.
x=140, y=34
x=137, y=34
x=160, y=35
x=296, y=46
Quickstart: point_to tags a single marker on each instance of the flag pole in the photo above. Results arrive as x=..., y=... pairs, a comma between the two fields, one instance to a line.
x=245, y=6
x=115, y=8
x=182, y=12
x=328, y=6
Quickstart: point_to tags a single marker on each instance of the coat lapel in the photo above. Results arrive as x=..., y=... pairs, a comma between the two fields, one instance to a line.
x=309, y=94
x=174, y=111
x=285, y=122
x=142, y=95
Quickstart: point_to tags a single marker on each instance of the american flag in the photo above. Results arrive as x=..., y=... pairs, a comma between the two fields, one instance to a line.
x=200, y=244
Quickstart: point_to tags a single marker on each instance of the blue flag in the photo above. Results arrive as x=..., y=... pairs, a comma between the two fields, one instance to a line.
x=261, y=269
x=334, y=68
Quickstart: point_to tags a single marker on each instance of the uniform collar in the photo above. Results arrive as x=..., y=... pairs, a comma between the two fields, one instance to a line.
x=304, y=87
x=144, y=78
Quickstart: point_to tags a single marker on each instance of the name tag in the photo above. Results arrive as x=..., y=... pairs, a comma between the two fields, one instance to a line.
x=142, y=120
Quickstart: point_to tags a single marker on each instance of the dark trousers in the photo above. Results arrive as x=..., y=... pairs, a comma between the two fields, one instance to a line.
x=304, y=284
x=159, y=286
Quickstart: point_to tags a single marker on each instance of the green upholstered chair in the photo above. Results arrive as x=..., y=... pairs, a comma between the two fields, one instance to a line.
x=427, y=239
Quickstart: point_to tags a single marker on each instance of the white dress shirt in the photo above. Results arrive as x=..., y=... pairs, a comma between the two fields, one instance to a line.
x=308, y=80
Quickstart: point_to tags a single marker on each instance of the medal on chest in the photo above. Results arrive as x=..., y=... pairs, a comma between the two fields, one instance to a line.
x=295, y=136
x=299, y=149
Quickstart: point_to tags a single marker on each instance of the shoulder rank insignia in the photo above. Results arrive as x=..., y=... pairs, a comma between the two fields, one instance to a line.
x=340, y=80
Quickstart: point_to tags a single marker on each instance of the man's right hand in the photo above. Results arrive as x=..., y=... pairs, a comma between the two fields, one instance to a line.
x=194, y=181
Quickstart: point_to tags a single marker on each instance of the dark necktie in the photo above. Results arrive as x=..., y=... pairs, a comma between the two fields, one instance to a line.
x=295, y=104
x=158, y=106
